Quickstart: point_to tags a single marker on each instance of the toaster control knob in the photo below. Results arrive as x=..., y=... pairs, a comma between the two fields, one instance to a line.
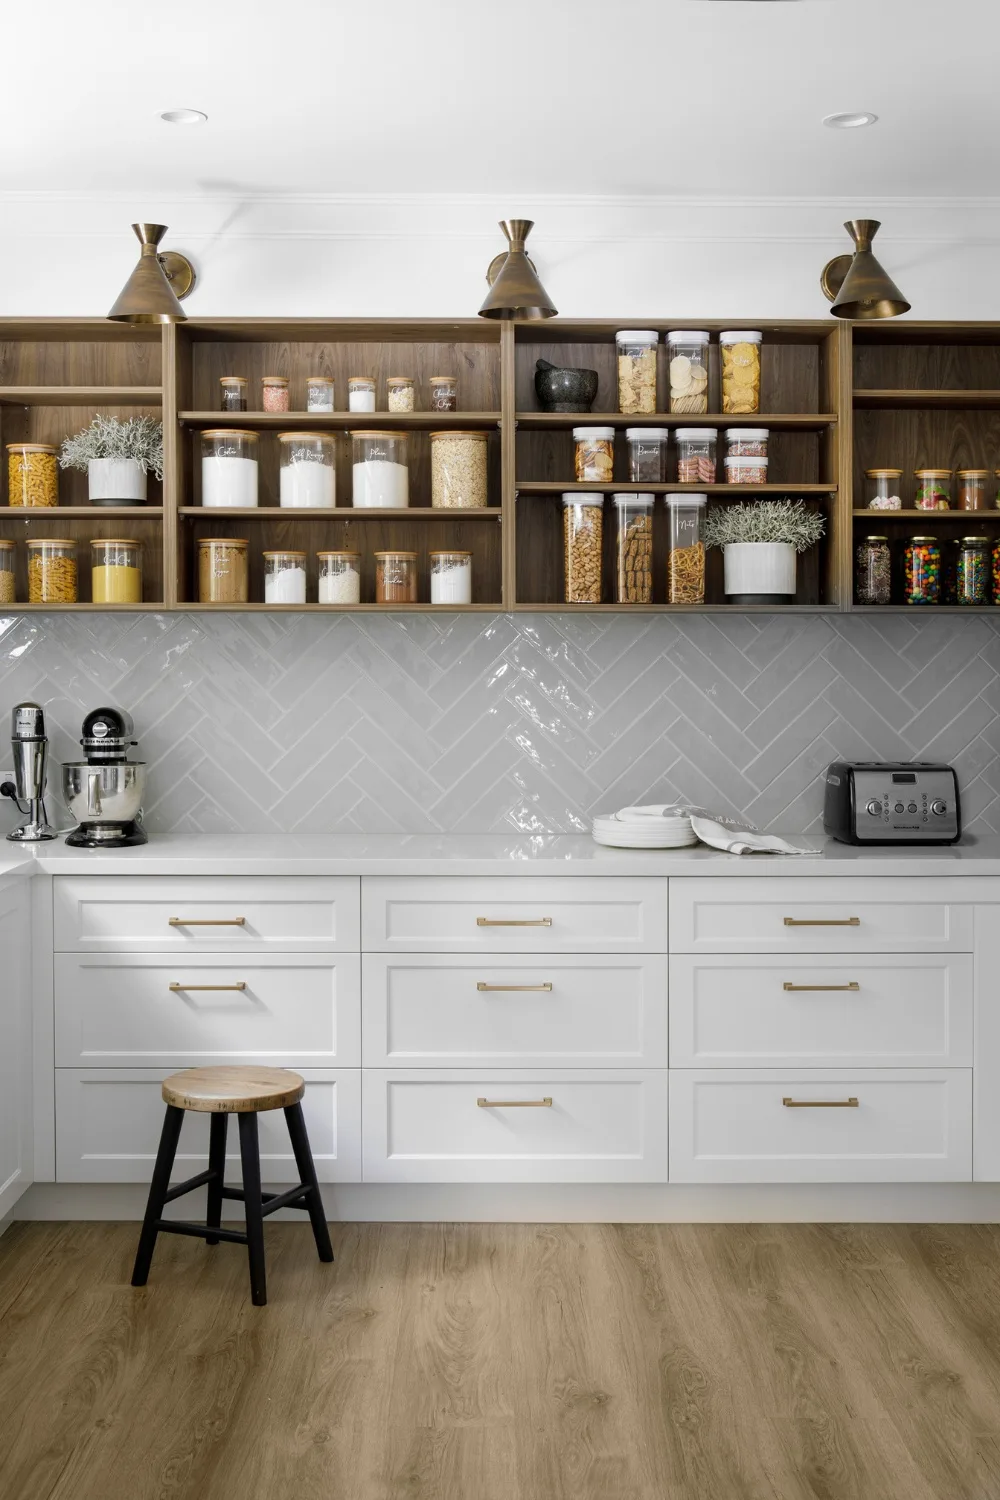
x=939, y=808
x=875, y=809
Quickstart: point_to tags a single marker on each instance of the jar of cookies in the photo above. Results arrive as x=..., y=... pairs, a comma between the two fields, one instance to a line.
x=634, y=549
x=696, y=455
x=636, y=370
x=51, y=571
x=688, y=366
x=594, y=454
x=739, y=354
x=32, y=475
x=647, y=454
x=583, y=535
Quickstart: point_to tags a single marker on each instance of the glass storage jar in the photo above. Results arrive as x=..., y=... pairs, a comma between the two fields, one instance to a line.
x=307, y=475
x=972, y=584
x=381, y=476
x=116, y=571
x=696, y=455
x=444, y=392
x=882, y=488
x=873, y=570
x=228, y=468
x=933, y=489
x=594, y=454
x=686, y=557
x=972, y=489
x=949, y=571
x=274, y=393
x=232, y=393
x=339, y=577
x=320, y=391
x=33, y=475
x=746, y=442
x=223, y=570
x=458, y=470
x=451, y=577
x=400, y=393
x=52, y=571
x=996, y=498
x=395, y=578
x=922, y=571
x=633, y=549
x=746, y=470
x=7, y=560
x=996, y=572
x=647, y=454
x=284, y=577
x=687, y=353
x=636, y=370
x=583, y=533
x=361, y=393
x=739, y=356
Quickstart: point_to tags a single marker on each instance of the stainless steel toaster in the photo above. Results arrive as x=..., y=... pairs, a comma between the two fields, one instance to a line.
x=876, y=802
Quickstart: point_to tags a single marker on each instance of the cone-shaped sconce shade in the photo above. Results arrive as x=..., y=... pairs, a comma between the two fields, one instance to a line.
x=147, y=296
x=517, y=291
x=867, y=291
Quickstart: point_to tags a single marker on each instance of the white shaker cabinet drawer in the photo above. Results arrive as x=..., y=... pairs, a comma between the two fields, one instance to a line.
x=239, y=913
x=881, y=1125
x=450, y=1010
x=108, y=1124
x=880, y=1010
x=816, y=915
x=292, y=1010
x=530, y=1126
x=514, y=914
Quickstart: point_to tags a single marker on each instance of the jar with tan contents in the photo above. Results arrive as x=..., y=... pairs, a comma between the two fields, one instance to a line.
x=458, y=470
x=400, y=393
x=52, y=571
x=686, y=557
x=637, y=370
x=33, y=475
x=395, y=578
x=116, y=571
x=223, y=570
x=739, y=357
x=594, y=454
x=7, y=559
x=634, y=549
x=583, y=535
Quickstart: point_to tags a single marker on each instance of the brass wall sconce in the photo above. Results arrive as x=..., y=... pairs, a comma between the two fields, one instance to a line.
x=154, y=290
x=515, y=290
x=856, y=285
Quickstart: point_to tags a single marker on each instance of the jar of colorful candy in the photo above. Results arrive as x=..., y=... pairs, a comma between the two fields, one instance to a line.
x=923, y=571
x=933, y=489
x=973, y=583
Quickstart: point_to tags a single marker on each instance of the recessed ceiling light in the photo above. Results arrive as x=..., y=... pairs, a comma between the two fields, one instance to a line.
x=184, y=116
x=850, y=121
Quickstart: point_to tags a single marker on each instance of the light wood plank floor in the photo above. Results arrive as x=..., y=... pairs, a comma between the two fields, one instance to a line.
x=505, y=1362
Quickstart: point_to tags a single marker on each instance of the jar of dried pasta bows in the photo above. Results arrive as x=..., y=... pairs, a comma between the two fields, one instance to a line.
x=32, y=474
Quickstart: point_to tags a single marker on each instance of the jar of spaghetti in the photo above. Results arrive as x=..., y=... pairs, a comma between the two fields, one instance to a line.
x=922, y=571
x=686, y=557
x=395, y=578
x=873, y=571
x=973, y=581
x=116, y=571
x=52, y=571
x=594, y=454
x=933, y=489
x=7, y=559
x=32, y=474
x=223, y=570
x=232, y=393
x=274, y=393
x=972, y=489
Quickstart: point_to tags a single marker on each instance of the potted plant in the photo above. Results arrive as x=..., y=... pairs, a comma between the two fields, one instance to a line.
x=116, y=457
x=759, y=541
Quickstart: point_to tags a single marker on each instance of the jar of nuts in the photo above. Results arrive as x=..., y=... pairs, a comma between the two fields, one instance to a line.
x=583, y=535
x=594, y=454
x=458, y=470
x=636, y=369
x=686, y=558
x=52, y=571
x=7, y=593
x=33, y=474
x=634, y=549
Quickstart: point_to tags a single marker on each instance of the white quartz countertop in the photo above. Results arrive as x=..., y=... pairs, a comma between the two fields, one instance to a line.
x=482, y=854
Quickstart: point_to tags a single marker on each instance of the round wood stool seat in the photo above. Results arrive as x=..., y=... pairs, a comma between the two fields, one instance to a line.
x=233, y=1090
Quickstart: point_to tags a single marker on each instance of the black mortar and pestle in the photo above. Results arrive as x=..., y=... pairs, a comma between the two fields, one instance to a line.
x=564, y=389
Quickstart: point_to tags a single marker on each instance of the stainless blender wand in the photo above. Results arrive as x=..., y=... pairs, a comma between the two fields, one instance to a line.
x=30, y=750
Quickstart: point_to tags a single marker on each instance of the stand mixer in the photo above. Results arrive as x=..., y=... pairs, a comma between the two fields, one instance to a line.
x=30, y=750
x=104, y=792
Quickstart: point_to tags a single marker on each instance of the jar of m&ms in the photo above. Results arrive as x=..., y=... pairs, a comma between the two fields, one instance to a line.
x=996, y=572
x=973, y=582
x=923, y=571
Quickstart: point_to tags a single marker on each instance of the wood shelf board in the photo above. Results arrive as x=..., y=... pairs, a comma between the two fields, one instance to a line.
x=81, y=512
x=344, y=330
x=118, y=609
x=598, y=330
x=338, y=513
x=390, y=421
x=950, y=400
x=383, y=609
x=521, y=607
x=967, y=517
x=81, y=395
x=78, y=330
x=925, y=609
x=776, y=421
x=717, y=491
x=924, y=331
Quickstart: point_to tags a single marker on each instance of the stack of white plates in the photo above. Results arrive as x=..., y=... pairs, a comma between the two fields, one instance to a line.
x=644, y=833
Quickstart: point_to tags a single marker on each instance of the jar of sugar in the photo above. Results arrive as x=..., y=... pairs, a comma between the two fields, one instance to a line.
x=284, y=578
x=451, y=577
x=339, y=577
x=228, y=468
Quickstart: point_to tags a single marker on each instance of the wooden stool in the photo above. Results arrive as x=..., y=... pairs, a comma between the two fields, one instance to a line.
x=221, y=1092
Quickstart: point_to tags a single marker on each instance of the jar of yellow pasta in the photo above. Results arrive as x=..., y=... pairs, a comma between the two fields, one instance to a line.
x=33, y=474
x=7, y=593
x=51, y=571
x=116, y=571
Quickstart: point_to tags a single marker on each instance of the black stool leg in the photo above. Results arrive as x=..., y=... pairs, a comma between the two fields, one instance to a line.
x=217, y=1164
x=250, y=1157
x=307, y=1176
x=169, y=1136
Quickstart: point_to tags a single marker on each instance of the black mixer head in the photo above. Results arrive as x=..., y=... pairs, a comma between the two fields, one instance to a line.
x=107, y=734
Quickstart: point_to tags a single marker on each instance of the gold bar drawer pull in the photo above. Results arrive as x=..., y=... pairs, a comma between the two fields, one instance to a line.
x=545, y=1103
x=850, y=1103
x=240, y=985
x=853, y=986
x=206, y=921
x=513, y=921
x=822, y=921
x=514, y=989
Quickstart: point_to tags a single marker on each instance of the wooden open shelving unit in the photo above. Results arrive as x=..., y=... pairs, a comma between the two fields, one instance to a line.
x=837, y=399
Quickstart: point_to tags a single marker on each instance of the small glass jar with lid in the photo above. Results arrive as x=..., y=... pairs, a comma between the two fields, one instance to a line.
x=696, y=455
x=746, y=442
x=933, y=489
x=361, y=393
x=223, y=570
x=444, y=392
x=633, y=549
x=882, y=489
x=284, y=577
x=274, y=395
x=339, y=577
x=594, y=454
x=739, y=358
x=381, y=478
x=922, y=570
x=228, y=468
x=458, y=470
x=451, y=577
x=636, y=370
x=232, y=393
x=746, y=470
x=395, y=578
x=647, y=454
x=686, y=555
x=307, y=475
x=687, y=355
x=973, y=489
x=52, y=575
x=873, y=570
x=996, y=572
x=116, y=571
x=32, y=475
x=972, y=584
x=583, y=536
x=400, y=393
x=7, y=560
x=320, y=391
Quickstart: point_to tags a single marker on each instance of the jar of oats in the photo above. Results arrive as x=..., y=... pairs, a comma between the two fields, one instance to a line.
x=7, y=592
x=400, y=393
x=52, y=571
x=33, y=474
x=636, y=369
x=458, y=470
x=223, y=570
x=583, y=535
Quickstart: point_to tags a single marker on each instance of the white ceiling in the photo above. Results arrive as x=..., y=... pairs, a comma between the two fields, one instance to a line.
x=692, y=97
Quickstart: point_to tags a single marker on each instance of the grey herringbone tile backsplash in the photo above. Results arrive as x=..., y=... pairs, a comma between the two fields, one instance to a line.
x=421, y=723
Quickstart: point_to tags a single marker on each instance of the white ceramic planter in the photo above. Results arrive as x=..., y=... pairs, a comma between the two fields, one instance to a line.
x=116, y=481
x=759, y=572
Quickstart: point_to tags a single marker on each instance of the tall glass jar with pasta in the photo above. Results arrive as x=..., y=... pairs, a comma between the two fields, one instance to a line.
x=686, y=557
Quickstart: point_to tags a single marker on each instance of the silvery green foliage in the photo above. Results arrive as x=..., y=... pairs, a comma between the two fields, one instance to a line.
x=140, y=438
x=789, y=521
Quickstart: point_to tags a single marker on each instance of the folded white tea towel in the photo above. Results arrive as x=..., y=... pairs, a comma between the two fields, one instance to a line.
x=732, y=835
